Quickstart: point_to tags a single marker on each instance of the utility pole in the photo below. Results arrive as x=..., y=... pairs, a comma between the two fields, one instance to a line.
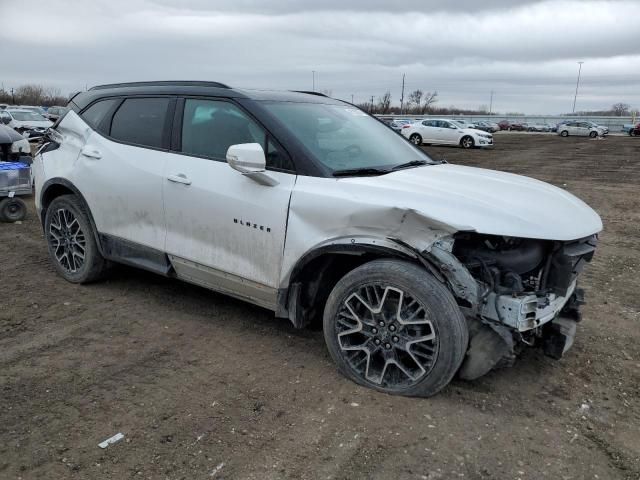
x=402, y=95
x=313, y=75
x=491, y=103
x=371, y=111
x=13, y=99
x=352, y=98
x=575, y=97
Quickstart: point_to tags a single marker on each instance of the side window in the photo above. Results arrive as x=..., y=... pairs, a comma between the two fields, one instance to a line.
x=428, y=123
x=141, y=121
x=96, y=113
x=210, y=127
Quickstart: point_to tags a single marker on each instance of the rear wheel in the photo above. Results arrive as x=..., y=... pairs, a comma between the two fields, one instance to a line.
x=564, y=133
x=71, y=243
x=593, y=134
x=416, y=139
x=12, y=210
x=467, y=142
x=391, y=326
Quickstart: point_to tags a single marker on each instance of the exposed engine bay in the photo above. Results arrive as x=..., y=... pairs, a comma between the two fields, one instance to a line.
x=527, y=295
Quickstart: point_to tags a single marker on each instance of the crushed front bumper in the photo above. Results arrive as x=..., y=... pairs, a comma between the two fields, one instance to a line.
x=525, y=312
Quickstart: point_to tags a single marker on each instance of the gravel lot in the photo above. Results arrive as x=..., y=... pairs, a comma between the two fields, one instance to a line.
x=205, y=386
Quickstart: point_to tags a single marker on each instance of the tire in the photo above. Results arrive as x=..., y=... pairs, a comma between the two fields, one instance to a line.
x=467, y=142
x=71, y=241
x=417, y=357
x=593, y=134
x=12, y=210
x=416, y=139
x=564, y=133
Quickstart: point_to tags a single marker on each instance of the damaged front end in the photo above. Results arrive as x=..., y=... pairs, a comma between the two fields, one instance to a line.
x=514, y=292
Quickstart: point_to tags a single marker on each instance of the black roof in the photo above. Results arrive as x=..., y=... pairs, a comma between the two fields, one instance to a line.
x=197, y=88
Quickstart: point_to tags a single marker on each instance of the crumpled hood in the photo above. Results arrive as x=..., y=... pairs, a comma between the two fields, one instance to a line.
x=485, y=201
x=33, y=123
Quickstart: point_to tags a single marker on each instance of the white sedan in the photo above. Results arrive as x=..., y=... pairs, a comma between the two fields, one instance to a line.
x=446, y=132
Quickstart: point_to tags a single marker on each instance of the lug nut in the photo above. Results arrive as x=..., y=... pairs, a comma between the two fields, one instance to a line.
x=387, y=345
x=374, y=330
x=392, y=328
x=394, y=338
x=381, y=323
x=376, y=341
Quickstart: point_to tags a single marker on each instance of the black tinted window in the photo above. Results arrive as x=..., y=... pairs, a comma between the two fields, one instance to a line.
x=141, y=121
x=210, y=127
x=96, y=113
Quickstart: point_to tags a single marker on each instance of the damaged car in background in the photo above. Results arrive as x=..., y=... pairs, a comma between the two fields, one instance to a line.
x=13, y=146
x=416, y=269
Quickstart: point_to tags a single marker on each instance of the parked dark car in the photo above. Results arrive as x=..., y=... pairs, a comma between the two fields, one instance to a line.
x=485, y=126
x=635, y=131
x=53, y=113
x=519, y=127
x=504, y=125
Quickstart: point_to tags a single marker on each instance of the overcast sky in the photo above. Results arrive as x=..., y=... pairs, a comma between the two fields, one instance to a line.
x=525, y=51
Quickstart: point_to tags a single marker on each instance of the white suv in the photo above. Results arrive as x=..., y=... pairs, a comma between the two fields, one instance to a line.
x=311, y=208
x=446, y=132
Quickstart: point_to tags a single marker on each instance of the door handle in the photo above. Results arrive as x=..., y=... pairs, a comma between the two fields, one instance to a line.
x=91, y=152
x=179, y=178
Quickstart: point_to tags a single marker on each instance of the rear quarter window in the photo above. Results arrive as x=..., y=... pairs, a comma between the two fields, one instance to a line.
x=141, y=121
x=95, y=114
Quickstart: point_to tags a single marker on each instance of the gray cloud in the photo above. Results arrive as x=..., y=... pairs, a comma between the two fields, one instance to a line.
x=525, y=51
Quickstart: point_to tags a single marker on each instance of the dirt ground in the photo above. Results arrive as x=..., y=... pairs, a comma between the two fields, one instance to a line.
x=204, y=386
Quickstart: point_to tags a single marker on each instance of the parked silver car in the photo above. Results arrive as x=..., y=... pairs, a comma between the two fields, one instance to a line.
x=581, y=129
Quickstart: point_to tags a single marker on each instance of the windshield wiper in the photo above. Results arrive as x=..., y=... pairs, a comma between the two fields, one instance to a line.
x=360, y=171
x=412, y=163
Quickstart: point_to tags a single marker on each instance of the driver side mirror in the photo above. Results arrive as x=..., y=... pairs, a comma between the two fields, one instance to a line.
x=249, y=159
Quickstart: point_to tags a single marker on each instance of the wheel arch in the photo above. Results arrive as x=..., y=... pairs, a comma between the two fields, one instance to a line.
x=56, y=187
x=302, y=295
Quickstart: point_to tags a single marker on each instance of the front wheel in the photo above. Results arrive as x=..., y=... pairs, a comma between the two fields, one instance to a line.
x=391, y=326
x=564, y=133
x=467, y=142
x=593, y=134
x=416, y=139
x=71, y=243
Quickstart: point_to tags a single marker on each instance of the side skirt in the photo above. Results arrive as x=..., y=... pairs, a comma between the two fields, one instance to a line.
x=227, y=283
x=130, y=253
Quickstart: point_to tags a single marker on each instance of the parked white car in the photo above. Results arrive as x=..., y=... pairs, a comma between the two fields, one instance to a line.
x=581, y=129
x=307, y=206
x=445, y=132
x=30, y=124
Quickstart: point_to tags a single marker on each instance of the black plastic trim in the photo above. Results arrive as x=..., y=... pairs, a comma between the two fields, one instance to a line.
x=131, y=253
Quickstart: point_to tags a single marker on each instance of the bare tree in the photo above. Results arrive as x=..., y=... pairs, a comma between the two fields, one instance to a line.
x=30, y=94
x=384, y=103
x=415, y=100
x=620, y=109
x=429, y=99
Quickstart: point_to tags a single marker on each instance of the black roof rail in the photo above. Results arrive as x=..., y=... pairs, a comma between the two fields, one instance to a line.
x=318, y=94
x=163, y=83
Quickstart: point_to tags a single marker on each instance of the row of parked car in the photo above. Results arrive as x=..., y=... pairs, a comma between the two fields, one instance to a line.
x=448, y=131
x=31, y=122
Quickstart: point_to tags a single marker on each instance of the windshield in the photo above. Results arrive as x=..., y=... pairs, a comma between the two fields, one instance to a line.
x=28, y=117
x=343, y=137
